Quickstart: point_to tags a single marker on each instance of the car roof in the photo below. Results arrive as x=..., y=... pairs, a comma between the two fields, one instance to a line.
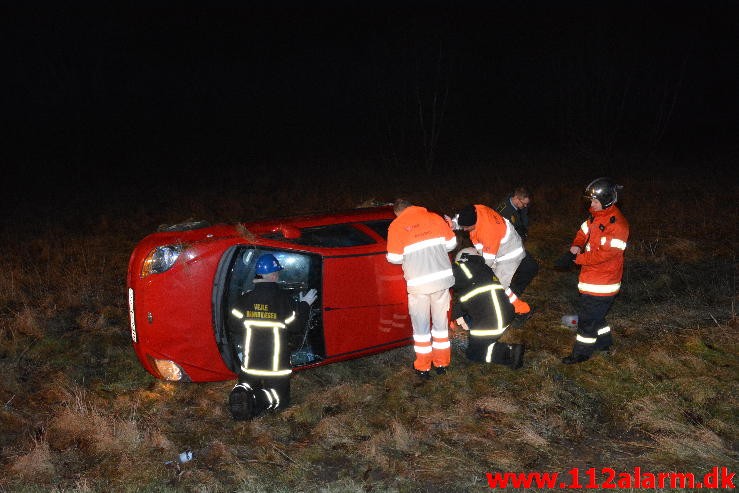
x=286, y=232
x=321, y=219
x=346, y=229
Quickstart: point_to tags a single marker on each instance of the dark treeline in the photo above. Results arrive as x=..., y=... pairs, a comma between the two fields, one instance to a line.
x=108, y=97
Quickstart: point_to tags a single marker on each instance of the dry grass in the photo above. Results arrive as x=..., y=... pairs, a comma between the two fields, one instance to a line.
x=79, y=414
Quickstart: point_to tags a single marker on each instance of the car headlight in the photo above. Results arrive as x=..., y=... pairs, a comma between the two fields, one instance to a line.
x=169, y=370
x=160, y=259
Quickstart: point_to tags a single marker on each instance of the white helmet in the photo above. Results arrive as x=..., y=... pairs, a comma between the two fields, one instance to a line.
x=468, y=251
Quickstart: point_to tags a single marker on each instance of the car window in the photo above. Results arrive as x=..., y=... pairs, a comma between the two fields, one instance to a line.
x=295, y=268
x=332, y=236
x=296, y=271
x=380, y=227
x=301, y=272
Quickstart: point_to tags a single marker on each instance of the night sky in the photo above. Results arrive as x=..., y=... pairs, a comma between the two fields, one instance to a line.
x=96, y=95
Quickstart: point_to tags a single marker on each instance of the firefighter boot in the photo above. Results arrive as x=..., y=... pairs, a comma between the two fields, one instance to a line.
x=422, y=375
x=501, y=354
x=516, y=359
x=520, y=319
x=265, y=400
x=510, y=355
x=241, y=402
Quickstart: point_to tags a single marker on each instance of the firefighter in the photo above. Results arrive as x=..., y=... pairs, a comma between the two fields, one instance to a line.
x=420, y=240
x=482, y=307
x=259, y=324
x=598, y=248
x=503, y=251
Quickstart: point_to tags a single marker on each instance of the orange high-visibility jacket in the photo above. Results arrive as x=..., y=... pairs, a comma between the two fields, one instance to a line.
x=495, y=237
x=420, y=240
x=602, y=240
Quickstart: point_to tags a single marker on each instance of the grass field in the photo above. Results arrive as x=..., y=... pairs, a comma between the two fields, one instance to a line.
x=79, y=413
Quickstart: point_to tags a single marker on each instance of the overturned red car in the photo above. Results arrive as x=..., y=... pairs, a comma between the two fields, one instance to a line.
x=183, y=280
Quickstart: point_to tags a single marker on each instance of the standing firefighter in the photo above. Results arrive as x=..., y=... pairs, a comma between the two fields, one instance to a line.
x=599, y=248
x=259, y=325
x=420, y=240
x=482, y=307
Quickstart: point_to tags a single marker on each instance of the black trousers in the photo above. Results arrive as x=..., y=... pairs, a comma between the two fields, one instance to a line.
x=478, y=349
x=593, y=331
x=527, y=270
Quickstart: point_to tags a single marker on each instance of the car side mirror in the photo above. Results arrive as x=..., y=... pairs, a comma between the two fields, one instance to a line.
x=289, y=232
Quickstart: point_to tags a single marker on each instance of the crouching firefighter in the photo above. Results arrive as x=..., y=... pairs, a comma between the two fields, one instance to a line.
x=482, y=307
x=259, y=326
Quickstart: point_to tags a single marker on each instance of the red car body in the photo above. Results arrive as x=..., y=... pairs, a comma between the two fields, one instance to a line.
x=182, y=280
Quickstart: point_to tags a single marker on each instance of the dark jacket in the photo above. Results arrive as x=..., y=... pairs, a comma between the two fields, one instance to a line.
x=259, y=326
x=481, y=300
x=519, y=218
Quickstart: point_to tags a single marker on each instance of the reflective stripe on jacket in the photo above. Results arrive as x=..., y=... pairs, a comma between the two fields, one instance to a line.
x=420, y=240
x=602, y=240
x=496, y=237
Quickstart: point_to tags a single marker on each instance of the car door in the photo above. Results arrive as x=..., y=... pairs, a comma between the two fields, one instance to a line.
x=365, y=302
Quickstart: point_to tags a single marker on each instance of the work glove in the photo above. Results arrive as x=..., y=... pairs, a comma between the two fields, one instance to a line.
x=308, y=297
x=565, y=261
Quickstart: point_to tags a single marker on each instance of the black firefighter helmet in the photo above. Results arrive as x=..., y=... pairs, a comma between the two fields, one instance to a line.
x=604, y=190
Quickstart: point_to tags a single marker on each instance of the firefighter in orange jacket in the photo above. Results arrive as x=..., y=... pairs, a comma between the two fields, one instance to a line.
x=502, y=248
x=420, y=240
x=599, y=248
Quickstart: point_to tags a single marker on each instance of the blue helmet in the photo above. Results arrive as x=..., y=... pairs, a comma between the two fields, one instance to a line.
x=267, y=263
